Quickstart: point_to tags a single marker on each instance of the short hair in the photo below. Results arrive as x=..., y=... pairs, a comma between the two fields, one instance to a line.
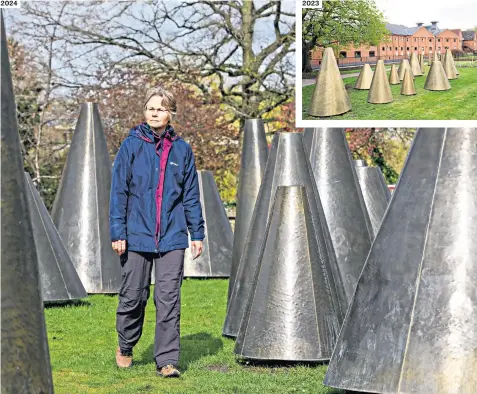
x=168, y=99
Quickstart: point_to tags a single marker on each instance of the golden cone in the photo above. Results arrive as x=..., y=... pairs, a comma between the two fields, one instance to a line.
x=402, y=67
x=394, y=76
x=329, y=97
x=365, y=77
x=437, y=79
x=380, y=91
x=415, y=66
x=449, y=66
x=408, y=88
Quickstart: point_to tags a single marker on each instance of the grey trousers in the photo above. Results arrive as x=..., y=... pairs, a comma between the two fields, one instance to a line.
x=136, y=279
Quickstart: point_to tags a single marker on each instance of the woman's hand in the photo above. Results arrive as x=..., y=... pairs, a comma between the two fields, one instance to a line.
x=196, y=248
x=119, y=246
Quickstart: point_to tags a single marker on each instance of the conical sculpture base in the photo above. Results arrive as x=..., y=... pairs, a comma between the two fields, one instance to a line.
x=330, y=97
x=437, y=78
x=375, y=192
x=81, y=208
x=275, y=326
x=252, y=166
x=449, y=66
x=415, y=65
x=216, y=257
x=343, y=204
x=365, y=77
x=394, y=76
x=407, y=87
x=411, y=325
x=287, y=165
x=380, y=91
x=25, y=357
x=403, y=66
x=59, y=279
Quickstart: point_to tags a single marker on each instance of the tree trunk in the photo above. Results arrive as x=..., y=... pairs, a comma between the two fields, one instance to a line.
x=306, y=58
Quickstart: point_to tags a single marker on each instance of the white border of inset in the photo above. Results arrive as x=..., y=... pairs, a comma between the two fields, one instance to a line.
x=300, y=122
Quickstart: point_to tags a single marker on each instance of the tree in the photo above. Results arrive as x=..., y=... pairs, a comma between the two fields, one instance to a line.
x=341, y=22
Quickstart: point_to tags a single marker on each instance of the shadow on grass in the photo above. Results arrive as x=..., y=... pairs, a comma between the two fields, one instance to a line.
x=259, y=364
x=62, y=304
x=193, y=348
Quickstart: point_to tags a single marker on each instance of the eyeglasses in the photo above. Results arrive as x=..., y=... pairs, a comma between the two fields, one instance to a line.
x=157, y=110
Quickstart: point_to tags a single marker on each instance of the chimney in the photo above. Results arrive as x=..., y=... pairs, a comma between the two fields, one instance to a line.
x=434, y=23
x=419, y=24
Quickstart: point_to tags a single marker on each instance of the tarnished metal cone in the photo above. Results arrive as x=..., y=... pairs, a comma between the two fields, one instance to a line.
x=365, y=77
x=437, y=78
x=449, y=67
x=411, y=325
x=380, y=91
x=421, y=64
x=252, y=167
x=287, y=165
x=407, y=87
x=25, y=357
x=375, y=192
x=299, y=321
x=216, y=257
x=394, y=76
x=58, y=276
x=345, y=210
x=415, y=65
x=329, y=97
x=449, y=55
x=81, y=208
x=403, y=66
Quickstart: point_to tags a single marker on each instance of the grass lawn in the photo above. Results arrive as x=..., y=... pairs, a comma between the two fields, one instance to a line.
x=458, y=103
x=82, y=342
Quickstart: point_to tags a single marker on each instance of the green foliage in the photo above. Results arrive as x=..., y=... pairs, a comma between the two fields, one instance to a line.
x=227, y=184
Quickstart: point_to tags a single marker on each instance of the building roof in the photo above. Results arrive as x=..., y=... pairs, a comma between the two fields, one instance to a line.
x=401, y=30
x=434, y=29
x=469, y=35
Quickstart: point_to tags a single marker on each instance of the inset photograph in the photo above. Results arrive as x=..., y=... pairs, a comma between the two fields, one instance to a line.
x=375, y=59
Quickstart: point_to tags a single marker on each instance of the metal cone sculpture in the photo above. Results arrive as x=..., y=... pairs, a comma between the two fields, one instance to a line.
x=287, y=165
x=216, y=257
x=411, y=325
x=275, y=326
x=431, y=57
x=81, y=208
x=394, y=76
x=25, y=357
x=421, y=64
x=407, y=87
x=415, y=66
x=437, y=78
x=449, y=66
x=345, y=210
x=375, y=192
x=330, y=97
x=365, y=77
x=380, y=91
x=252, y=167
x=449, y=54
x=59, y=279
x=403, y=66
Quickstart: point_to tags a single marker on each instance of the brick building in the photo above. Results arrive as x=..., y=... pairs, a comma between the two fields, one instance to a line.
x=402, y=41
x=470, y=41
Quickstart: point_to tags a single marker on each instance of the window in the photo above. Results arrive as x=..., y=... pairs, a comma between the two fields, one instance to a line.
x=396, y=48
x=422, y=49
x=357, y=54
x=372, y=54
x=407, y=38
x=415, y=39
x=430, y=39
x=390, y=48
x=455, y=39
x=342, y=54
x=402, y=48
x=447, y=40
x=384, y=48
x=407, y=48
x=415, y=48
x=438, y=40
x=430, y=48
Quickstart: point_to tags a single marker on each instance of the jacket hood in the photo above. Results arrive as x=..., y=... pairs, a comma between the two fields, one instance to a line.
x=144, y=132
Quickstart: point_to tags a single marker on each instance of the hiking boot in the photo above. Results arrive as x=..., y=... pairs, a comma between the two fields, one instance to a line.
x=123, y=360
x=168, y=371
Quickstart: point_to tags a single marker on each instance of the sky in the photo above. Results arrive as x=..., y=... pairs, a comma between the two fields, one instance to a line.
x=451, y=14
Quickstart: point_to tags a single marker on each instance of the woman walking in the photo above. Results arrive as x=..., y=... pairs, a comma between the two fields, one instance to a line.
x=155, y=202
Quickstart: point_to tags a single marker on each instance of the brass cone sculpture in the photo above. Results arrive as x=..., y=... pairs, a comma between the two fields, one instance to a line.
x=394, y=76
x=25, y=356
x=59, y=279
x=252, y=166
x=449, y=53
x=411, y=325
x=415, y=65
x=365, y=77
x=449, y=65
x=329, y=97
x=380, y=91
x=407, y=87
x=81, y=208
x=437, y=78
x=299, y=321
x=216, y=258
x=421, y=63
x=431, y=57
x=403, y=66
